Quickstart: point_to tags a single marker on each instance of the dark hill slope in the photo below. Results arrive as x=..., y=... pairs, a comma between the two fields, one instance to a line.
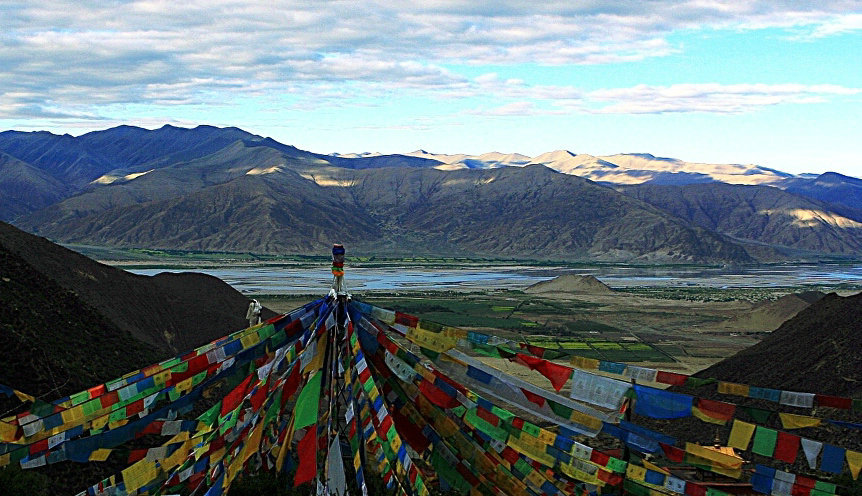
x=760, y=214
x=169, y=312
x=54, y=343
x=819, y=350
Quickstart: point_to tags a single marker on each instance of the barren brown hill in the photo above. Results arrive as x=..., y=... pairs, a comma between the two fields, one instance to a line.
x=769, y=315
x=819, y=350
x=570, y=283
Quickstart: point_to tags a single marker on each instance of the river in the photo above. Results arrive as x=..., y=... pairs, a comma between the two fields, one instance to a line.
x=287, y=279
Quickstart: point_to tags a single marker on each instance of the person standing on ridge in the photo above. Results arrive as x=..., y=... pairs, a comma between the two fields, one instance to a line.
x=253, y=313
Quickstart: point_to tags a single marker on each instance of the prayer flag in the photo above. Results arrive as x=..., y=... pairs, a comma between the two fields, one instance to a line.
x=764, y=441
x=307, y=402
x=833, y=459
x=786, y=447
x=811, y=449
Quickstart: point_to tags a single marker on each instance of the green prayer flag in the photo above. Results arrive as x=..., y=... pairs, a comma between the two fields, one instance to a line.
x=764, y=441
x=307, y=404
x=531, y=429
x=857, y=405
x=210, y=416
x=522, y=466
x=485, y=350
x=429, y=353
x=759, y=415
x=827, y=487
x=714, y=492
x=79, y=398
x=696, y=382
x=498, y=433
x=616, y=465
x=560, y=410
x=266, y=331
x=635, y=489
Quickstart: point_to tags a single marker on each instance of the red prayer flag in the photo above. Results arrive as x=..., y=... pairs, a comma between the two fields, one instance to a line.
x=410, y=432
x=599, y=458
x=692, y=489
x=487, y=416
x=833, y=401
x=259, y=396
x=671, y=378
x=673, y=453
x=136, y=455
x=535, y=398
x=234, y=398
x=406, y=319
x=786, y=447
x=437, y=395
x=716, y=409
x=307, y=452
x=556, y=373
x=800, y=490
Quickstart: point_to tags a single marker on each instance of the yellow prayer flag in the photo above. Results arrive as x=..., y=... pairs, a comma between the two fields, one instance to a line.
x=721, y=459
x=854, y=460
x=792, y=421
x=732, y=388
x=585, y=420
x=535, y=479
x=178, y=456
x=139, y=475
x=100, y=455
x=547, y=436
x=532, y=447
x=24, y=397
x=740, y=434
x=655, y=468
x=4, y=460
x=7, y=432
x=252, y=444
x=435, y=341
x=636, y=472
x=585, y=363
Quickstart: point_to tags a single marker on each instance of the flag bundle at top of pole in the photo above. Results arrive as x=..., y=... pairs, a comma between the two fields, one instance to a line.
x=338, y=268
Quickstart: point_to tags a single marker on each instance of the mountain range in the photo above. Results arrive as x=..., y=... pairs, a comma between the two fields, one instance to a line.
x=224, y=189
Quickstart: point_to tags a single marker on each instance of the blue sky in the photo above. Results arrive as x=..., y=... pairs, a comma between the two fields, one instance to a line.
x=773, y=83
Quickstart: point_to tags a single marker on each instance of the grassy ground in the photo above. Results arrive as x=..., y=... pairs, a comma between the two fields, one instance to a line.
x=624, y=326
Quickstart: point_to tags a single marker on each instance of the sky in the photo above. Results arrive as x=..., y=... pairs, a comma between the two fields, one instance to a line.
x=774, y=83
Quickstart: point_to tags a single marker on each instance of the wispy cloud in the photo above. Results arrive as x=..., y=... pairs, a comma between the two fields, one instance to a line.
x=714, y=98
x=61, y=56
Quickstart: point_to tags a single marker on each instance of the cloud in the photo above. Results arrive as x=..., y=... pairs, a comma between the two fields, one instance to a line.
x=76, y=57
x=713, y=98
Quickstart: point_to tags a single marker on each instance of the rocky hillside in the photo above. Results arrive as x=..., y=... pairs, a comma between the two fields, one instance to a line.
x=297, y=205
x=225, y=189
x=758, y=214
